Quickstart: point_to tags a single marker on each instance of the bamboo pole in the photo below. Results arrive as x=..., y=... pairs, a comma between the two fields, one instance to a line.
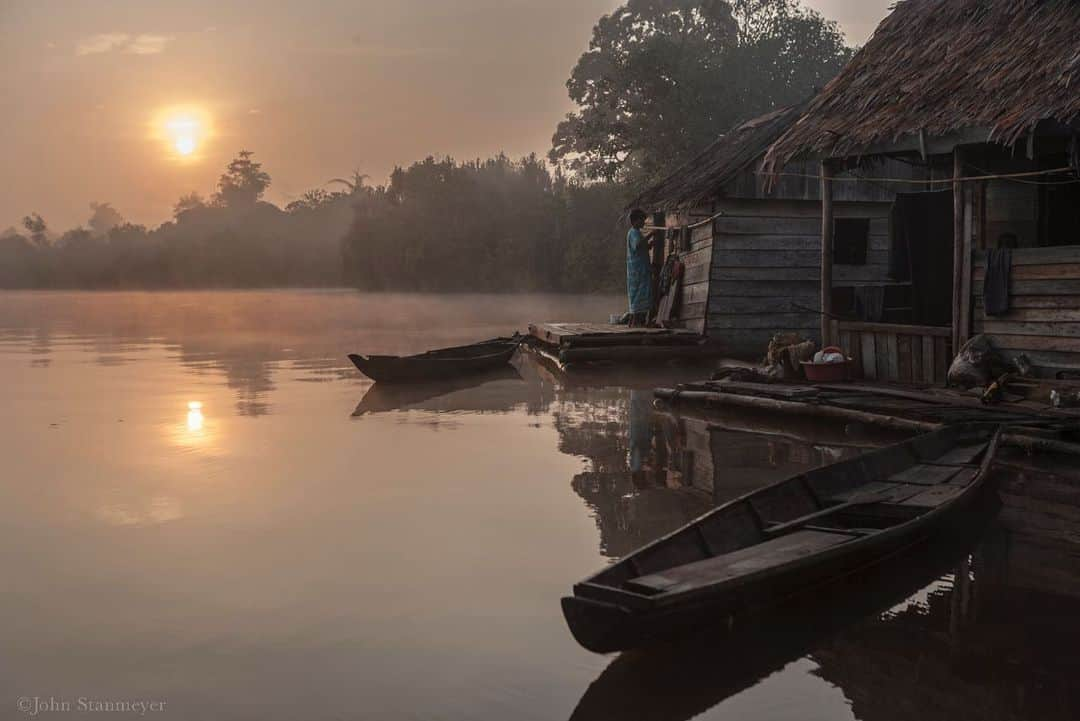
x=958, y=249
x=794, y=408
x=826, y=253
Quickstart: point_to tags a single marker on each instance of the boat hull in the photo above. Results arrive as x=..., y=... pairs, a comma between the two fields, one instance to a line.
x=437, y=365
x=602, y=626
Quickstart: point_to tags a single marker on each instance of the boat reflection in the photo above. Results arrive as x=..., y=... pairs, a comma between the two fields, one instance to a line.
x=496, y=390
x=685, y=678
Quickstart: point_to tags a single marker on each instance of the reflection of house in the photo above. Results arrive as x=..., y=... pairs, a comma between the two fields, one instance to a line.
x=651, y=472
x=745, y=461
x=979, y=649
x=983, y=94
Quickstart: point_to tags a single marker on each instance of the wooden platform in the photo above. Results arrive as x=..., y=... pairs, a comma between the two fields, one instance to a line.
x=588, y=344
x=594, y=333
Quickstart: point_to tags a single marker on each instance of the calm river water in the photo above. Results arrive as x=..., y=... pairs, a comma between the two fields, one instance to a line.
x=205, y=506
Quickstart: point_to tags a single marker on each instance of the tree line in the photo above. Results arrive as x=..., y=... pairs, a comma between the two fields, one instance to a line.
x=659, y=80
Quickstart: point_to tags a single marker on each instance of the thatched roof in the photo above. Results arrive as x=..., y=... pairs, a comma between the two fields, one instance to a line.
x=700, y=180
x=943, y=67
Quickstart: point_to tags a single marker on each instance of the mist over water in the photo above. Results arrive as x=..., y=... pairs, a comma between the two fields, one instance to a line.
x=208, y=505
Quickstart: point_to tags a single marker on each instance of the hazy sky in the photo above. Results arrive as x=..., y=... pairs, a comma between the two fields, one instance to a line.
x=315, y=88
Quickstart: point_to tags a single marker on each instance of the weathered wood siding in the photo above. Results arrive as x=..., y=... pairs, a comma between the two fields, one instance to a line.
x=696, y=261
x=896, y=353
x=1044, y=319
x=766, y=268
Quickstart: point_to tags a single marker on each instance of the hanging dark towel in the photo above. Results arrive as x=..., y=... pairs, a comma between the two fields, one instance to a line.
x=870, y=303
x=996, y=281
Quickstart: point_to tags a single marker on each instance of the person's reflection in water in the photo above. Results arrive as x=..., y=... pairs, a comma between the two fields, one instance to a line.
x=641, y=432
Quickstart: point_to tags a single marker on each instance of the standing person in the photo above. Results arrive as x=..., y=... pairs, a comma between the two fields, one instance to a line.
x=638, y=271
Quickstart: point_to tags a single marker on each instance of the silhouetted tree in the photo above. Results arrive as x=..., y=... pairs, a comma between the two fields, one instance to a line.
x=38, y=230
x=309, y=201
x=243, y=182
x=191, y=201
x=662, y=78
x=355, y=184
x=104, y=218
x=492, y=225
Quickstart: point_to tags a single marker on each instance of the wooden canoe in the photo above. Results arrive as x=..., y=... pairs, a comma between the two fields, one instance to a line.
x=681, y=680
x=440, y=364
x=778, y=541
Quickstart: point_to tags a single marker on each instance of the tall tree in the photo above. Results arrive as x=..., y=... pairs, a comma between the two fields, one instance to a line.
x=191, y=201
x=104, y=218
x=662, y=78
x=243, y=182
x=38, y=230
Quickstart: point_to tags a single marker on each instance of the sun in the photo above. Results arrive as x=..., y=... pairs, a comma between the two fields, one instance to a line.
x=184, y=129
x=184, y=133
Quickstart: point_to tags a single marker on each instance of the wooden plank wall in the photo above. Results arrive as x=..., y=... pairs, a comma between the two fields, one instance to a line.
x=696, y=261
x=766, y=269
x=896, y=353
x=1044, y=320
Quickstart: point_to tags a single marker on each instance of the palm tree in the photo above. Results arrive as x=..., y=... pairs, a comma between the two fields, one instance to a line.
x=355, y=185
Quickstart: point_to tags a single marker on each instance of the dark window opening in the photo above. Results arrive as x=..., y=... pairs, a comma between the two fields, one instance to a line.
x=851, y=236
x=1059, y=222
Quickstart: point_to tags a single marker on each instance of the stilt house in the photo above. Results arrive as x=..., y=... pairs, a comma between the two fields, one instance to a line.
x=987, y=91
x=752, y=254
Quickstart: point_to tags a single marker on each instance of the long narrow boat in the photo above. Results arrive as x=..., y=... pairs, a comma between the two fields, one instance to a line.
x=438, y=364
x=787, y=538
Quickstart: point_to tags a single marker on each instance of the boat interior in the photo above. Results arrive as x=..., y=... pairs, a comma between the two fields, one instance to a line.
x=802, y=516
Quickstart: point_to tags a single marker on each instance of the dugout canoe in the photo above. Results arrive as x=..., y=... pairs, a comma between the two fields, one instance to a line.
x=437, y=365
x=784, y=539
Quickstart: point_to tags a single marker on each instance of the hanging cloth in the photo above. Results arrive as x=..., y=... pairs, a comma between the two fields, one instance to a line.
x=996, y=281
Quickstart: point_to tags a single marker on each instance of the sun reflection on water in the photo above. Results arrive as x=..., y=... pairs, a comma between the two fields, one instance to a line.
x=197, y=431
x=195, y=420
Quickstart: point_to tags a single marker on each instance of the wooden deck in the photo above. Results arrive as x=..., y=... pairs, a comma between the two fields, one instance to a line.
x=577, y=345
x=590, y=333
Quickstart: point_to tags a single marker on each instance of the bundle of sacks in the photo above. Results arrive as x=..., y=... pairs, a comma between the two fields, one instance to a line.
x=976, y=365
x=786, y=353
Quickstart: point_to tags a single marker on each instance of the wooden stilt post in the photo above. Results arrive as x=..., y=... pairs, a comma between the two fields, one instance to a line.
x=958, y=251
x=826, y=253
x=659, y=239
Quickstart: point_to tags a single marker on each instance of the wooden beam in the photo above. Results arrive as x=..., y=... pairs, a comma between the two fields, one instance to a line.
x=826, y=252
x=967, y=234
x=958, y=245
x=896, y=328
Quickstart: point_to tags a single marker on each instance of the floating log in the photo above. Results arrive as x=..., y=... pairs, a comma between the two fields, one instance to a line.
x=1015, y=439
x=805, y=409
x=1033, y=443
